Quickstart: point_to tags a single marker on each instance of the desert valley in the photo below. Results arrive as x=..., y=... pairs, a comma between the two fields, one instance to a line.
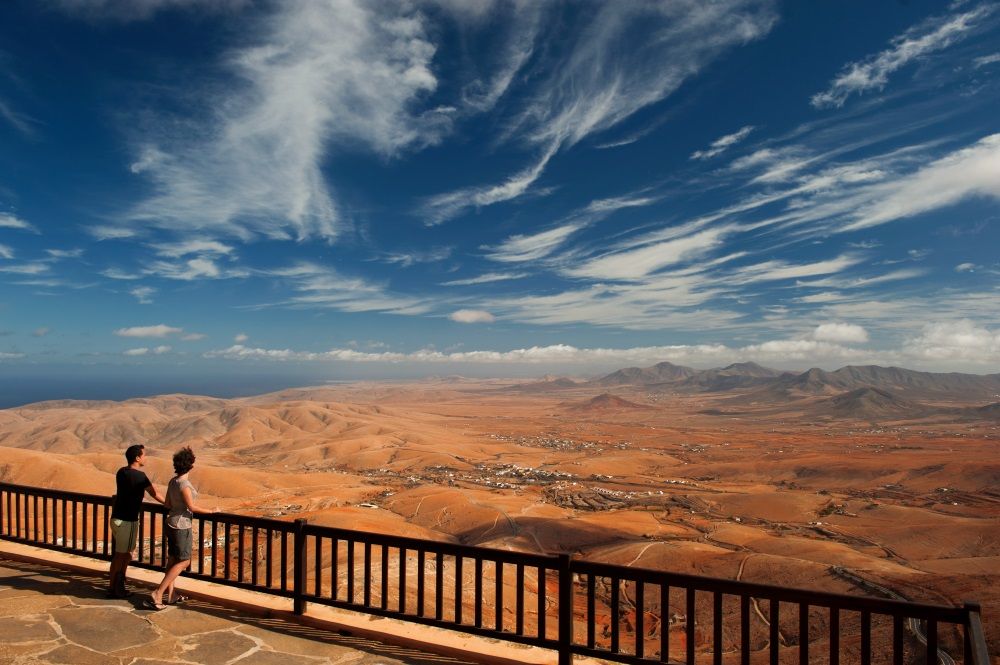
x=862, y=480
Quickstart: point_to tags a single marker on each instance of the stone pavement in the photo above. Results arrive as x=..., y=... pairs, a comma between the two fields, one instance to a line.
x=52, y=616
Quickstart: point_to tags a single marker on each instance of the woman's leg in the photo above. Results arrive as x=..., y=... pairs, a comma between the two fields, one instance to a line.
x=174, y=569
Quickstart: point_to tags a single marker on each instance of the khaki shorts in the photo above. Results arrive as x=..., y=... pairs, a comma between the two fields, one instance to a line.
x=124, y=535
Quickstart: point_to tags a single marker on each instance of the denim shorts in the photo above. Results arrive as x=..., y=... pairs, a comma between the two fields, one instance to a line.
x=179, y=543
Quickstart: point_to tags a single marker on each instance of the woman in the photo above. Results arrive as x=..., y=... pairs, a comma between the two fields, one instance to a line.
x=180, y=511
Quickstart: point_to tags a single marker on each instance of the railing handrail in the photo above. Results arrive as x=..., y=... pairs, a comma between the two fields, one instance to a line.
x=966, y=615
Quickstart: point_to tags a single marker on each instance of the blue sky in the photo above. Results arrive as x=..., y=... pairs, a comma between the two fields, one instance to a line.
x=210, y=191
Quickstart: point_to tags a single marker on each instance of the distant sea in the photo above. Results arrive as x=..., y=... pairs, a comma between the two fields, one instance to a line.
x=17, y=390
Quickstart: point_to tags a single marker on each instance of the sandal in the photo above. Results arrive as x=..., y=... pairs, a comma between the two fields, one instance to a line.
x=178, y=599
x=151, y=604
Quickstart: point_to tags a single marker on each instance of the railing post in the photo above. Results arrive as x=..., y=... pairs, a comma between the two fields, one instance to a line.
x=299, y=567
x=565, y=610
x=975, y=639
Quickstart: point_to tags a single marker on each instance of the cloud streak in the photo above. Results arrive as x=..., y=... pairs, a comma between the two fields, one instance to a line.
x=873, y=72
x=721, y=144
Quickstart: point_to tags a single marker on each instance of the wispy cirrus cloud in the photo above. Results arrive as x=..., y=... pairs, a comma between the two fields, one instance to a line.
x=33, y=268
x=486, y=278
x=599, y=81
x=531, y=247
x=723, y=143
x=645, y=257
x=194, y=269
x=316, y=76
x=873, y=72
x=986, y=60
x=192, y=246
x=11, y=221
x=969, y=172
x=57, y=254
x=413, y=257
x=520, y=247
x=319, y=287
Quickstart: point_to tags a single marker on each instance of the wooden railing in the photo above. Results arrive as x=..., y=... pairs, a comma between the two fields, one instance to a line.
x=572, y=606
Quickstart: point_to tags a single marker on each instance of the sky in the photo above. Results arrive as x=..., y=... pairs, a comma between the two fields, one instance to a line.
x=226, y=196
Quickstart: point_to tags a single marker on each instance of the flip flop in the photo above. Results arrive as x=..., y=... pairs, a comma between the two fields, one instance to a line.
x=150, y=604
x=178, y=599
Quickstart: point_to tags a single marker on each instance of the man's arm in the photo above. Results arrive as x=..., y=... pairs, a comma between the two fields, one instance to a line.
x=152, y=491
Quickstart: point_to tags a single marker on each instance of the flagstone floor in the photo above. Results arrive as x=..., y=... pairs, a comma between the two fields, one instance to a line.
x=51, y=616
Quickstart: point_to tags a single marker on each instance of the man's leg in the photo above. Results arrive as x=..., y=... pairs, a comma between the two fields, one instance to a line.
x=124, y=541
x=119, y=564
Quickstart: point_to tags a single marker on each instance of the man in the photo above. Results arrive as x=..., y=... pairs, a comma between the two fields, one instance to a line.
x=131, y=485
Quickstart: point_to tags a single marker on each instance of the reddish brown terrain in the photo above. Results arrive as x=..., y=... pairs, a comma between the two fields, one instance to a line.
x=742, y=472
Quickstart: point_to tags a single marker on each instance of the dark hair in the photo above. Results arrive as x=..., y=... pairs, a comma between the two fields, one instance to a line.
x=183, y=460
x=133, y=452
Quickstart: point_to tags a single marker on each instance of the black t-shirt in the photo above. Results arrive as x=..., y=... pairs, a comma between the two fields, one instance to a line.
x=131, y=483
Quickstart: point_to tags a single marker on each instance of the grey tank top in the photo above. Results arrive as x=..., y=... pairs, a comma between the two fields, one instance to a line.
x=179, y=517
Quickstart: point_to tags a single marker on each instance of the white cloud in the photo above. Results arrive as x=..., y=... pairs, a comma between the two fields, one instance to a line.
x=827, y=345
x=780, y=270
x=9, y=221
x=486, y=278
x=604, y=207
x=969, y=172
x=321, y=287
x=35, y=268
x=111, y=232
x=873, y=72
x=638, y=262
x=64, y=253
x=840, y=333
x=6, y=252
x=320, y=75
x=967, y=267
x=985, y=60
x=192, y=246
x=240, y=338
x=40, y=332
x=442, y=207
x=471, y=316
x=144, y=294
x=407, y=259
x=606, y=76
x=118, y=273
x=956, y=340
x=140, y=351
x=519, y=248
x=160, y=350
x=192, y=269
x=720, y=145
x=564, y=354
x=160, y=330
x=4, y=355
x=192, y=337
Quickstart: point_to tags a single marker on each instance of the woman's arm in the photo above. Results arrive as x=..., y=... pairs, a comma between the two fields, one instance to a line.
x=189, y=501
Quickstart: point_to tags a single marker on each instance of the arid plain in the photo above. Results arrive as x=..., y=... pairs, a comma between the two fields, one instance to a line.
x=778, y=478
